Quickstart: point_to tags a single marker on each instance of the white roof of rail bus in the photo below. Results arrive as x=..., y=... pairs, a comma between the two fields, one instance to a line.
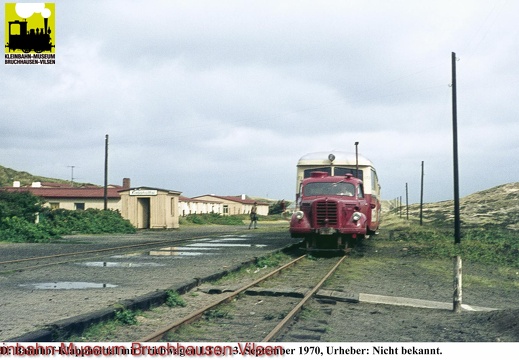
x=341, y=158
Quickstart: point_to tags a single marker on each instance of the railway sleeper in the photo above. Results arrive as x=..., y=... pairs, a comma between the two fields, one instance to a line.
x=323, y=295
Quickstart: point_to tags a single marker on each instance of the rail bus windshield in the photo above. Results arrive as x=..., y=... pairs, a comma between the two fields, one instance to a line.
x=329, y=188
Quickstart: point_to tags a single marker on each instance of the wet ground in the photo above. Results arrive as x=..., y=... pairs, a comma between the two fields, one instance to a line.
x=31, y=300
x=379, y=267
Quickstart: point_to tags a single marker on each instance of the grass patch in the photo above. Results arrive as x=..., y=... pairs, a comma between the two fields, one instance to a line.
x=437, y=267
x=507, y=278
x=353, y=269
x=212, y=219
x=490, y=246
x=406, y=247
x=217, y=314
x=173, y=299
x=184, y=333
x=262, y=263
x=107, y=330
x=104, y=331
x=217, y=219
x=273, y=260
x=126, y=317
x=274, y=316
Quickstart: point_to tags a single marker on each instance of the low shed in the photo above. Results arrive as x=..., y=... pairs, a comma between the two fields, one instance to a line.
x=150, y=208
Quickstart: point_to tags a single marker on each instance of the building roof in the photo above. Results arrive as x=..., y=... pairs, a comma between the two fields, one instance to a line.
x=69, y=193
x=46, y=184
x=144, y=188
x=238, y=199
x=187, y=199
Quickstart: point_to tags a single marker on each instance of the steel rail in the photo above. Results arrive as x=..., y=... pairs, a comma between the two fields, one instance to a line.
x=98, y=250
x=299, y=306
x=33, y=267
x=196, y=315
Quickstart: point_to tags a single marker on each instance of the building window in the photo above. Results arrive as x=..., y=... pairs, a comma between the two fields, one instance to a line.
x=79, y=206
x=54, y=205
x=226, y=209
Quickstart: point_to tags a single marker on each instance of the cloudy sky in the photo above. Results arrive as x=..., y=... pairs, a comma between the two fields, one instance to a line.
x=224, y=97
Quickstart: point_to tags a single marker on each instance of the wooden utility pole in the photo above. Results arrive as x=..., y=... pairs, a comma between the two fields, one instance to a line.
x=457, y=298
x=457, y=233
x=421, y=197
x=106, y=174
x=72, y=174
x=357, y=159
x=458, y=290
x=406, y=202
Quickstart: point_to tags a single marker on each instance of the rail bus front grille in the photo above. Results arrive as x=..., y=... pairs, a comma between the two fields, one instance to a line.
x=325, y=210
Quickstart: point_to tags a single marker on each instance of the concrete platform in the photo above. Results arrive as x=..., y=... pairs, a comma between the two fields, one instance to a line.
x=349, y=297
x=395, y=300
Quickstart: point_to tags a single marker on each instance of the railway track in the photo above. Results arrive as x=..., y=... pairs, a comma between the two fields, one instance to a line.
x=37, y=262
x=261, y=310
x=70, y=284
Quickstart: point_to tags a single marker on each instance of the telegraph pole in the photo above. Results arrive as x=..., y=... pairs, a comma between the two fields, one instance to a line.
x=106, y=174
x=72, y=174
x=357, y=159
x=457, y=233
x=421, y=197
x=406, y=202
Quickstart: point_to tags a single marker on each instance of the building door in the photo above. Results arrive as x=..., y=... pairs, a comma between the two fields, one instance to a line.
x=143, y=213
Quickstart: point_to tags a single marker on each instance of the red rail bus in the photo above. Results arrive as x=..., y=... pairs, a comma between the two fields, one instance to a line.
x=337, y=200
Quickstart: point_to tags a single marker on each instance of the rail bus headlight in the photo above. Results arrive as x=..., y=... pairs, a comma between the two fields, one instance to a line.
x=300, y=215
x=356, y=216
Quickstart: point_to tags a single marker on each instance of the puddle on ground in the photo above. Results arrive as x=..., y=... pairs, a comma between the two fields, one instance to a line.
x=179, y=251
x=204, y=246
x=175, y=253
x=67, y=285
x=243, y=236
x=117, y=264
x=124, y=256
x=213, y=245
x=188, y=247
x=229, y=239
x=195, y=249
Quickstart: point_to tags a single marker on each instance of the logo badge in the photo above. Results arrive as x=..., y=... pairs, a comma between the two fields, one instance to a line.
x=30, y=33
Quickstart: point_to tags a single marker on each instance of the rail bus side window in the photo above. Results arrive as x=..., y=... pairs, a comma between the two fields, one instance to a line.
x=360, y=193
x=341, y=171
x=374, y=179
x=308, y=172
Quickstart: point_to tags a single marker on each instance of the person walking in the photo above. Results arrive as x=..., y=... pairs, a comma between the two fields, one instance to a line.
x=254, y=216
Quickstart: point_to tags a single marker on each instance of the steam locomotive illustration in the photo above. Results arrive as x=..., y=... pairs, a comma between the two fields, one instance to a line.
x=27, y=40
